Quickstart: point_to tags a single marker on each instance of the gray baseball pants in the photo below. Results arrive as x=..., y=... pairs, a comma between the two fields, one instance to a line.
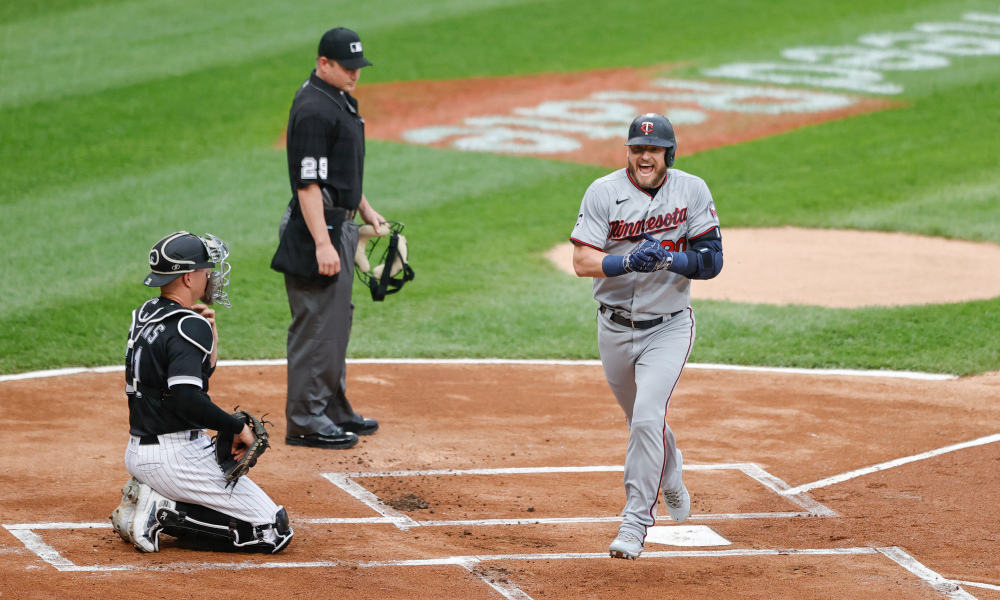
x=642, y=367
x=317, y=346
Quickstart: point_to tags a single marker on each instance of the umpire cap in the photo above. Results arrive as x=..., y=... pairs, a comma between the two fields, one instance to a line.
x=178, y=253
x=344, y=46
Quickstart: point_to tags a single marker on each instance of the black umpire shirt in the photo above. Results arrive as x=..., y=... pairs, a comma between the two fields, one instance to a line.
x=167, y=366
x=326, y=143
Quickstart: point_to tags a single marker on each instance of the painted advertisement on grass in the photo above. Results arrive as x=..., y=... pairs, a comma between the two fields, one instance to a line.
x=583, y=117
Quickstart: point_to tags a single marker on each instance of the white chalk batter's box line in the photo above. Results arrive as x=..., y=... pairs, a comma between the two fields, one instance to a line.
x=387, y=514
x=510, y=591
x=26, y=533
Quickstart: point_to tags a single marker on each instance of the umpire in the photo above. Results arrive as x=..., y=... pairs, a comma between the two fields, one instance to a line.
x=318, y=238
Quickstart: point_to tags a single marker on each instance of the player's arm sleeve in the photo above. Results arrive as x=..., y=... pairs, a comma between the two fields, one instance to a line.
x=590, y=236
x=188, y=353
x=198, y=332
x=194, y=405
x=592, y=224
x=309, y=149
x=703, y=259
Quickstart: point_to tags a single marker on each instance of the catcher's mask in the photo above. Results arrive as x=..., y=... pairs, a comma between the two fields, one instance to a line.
x=391, y=270
x=182, y=252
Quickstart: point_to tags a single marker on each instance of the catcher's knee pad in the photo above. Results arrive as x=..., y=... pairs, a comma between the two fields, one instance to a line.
x=282, y=530
x=269, y=537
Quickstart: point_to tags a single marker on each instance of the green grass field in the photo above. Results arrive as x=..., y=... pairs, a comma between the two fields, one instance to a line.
x=123, y=121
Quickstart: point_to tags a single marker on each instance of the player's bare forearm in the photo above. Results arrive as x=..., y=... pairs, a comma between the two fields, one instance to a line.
x=587, y=261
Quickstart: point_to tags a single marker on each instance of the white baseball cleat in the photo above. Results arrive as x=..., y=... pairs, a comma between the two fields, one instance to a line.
x=144, y=528
x=626, y=545
x=677, y=500
x=678, y=503
x=122, y=515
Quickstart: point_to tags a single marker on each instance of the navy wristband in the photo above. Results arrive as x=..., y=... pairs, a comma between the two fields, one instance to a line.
x=680, y=263
x=613, y=265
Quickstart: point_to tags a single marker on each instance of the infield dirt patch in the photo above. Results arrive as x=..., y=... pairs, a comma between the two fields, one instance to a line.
x=799, y=428
x=841, y=268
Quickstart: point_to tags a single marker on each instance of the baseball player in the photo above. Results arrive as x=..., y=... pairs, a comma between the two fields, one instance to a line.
x=177, y=485
x=643, y=233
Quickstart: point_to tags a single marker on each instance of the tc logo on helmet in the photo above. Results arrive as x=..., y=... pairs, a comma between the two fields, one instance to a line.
x=646, y=127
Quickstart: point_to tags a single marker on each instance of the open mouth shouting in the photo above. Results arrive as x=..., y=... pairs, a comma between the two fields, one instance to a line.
x=647, y=165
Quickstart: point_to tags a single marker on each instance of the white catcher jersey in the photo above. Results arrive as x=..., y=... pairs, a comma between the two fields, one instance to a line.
x=614, y=214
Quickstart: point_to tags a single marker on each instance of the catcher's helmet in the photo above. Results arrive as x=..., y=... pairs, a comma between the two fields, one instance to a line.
x=180, y=252
x=653, y=129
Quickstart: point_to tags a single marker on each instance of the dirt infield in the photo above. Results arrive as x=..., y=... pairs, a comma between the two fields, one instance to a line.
x=758, y=261
x=504, y=481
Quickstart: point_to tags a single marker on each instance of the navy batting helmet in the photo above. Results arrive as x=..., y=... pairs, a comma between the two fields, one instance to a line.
x=653, y=129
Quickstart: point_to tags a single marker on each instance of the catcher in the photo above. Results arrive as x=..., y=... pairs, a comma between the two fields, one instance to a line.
x=184, y=484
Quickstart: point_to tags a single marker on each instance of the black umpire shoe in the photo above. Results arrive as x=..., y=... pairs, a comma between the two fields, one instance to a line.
x=339, y=440
x=360, y=425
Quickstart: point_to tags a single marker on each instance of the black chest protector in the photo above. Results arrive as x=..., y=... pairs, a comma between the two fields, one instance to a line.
x=167, y=345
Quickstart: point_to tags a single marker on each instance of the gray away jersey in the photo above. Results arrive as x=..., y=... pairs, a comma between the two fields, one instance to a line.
x=615, y=213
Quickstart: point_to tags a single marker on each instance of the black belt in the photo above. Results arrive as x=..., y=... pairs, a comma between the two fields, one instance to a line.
x=151, y=440
x=348, y=212
x=617, y=318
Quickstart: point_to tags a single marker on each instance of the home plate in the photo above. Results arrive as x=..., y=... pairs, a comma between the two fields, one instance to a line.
x=685, y=535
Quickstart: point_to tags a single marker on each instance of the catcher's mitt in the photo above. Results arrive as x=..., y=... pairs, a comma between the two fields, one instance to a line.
x=233, y=469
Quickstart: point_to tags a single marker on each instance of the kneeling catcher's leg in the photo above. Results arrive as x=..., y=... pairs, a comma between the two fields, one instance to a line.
x=209, y=529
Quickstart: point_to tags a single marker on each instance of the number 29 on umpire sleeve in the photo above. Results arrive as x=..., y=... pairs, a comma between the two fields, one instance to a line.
x=309, y=167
